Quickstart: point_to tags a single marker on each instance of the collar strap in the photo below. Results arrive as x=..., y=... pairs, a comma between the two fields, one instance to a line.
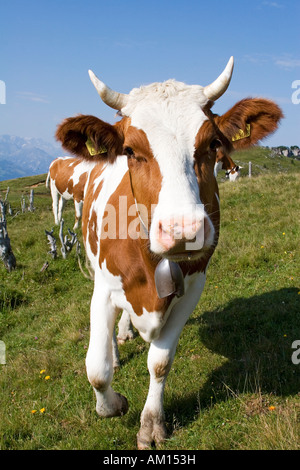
x=137, y=208
x=236, y=168
x=141, y=220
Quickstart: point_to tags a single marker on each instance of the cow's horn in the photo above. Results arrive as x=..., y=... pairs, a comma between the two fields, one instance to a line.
x=112, y=98
x=220, y=85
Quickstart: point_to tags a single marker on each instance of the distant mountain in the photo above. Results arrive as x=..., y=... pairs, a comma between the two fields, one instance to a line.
x=25, y=156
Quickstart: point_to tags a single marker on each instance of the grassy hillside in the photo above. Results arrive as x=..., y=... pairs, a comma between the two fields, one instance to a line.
x=232, y=385
x=264, y=161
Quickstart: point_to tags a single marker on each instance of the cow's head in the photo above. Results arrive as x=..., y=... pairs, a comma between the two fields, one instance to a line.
x=225, y=162
x=233, y=173
x=171, y=139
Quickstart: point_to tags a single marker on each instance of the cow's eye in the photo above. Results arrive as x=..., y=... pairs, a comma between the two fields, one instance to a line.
x=215, y=144
x=129, y=152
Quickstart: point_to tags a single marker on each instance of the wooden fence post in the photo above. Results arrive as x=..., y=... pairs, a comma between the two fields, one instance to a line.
x=66, y=243
x=23, y=204
x=52, y=243
x=6, y=253
x=31, y=207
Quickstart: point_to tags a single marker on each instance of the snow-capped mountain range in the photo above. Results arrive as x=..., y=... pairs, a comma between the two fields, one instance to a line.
x=25, y=156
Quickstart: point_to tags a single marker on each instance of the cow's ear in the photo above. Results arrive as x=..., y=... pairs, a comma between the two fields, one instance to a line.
x=249, y=121
x=90, y=138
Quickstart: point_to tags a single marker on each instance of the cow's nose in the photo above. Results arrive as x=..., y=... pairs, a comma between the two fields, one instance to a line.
x=175, y=231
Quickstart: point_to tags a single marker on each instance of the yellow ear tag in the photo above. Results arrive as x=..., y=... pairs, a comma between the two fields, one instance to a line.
x=91, y=148
x=242, y=134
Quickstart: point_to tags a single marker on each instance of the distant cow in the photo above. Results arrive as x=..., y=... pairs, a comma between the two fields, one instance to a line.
x=225, y=162
x=68, y=177
x=151, y=218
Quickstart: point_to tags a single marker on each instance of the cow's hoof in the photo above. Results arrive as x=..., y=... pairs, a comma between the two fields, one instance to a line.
x=152, y=432
x=119, y=407
x=128, y=336
x=124, y=405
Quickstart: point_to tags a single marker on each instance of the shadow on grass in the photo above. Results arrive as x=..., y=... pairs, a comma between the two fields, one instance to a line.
x=256, y=335
x=10, y=299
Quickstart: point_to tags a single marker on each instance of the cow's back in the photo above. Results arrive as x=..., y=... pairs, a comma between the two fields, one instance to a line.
x=70, y=175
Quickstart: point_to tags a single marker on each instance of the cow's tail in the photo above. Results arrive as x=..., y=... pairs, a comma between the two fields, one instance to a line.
x=48, y=179
x=91, y=273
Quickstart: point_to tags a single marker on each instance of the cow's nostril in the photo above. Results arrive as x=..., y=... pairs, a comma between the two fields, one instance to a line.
x=184, y=235
x=174, y=232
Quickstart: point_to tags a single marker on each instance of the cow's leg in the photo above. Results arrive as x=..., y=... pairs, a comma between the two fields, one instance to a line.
x=55, y=198
x=61, y=206
x=125, y=330
x=99, y=360
x=160, y=359
x=78, y=213
x=115, y=351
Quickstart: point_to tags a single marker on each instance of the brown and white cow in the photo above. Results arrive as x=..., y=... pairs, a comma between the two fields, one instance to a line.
x=225, y=162
x=68, y=177
x=152, y=205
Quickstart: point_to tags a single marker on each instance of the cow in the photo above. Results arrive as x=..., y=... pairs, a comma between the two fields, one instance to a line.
x=225, y=162
x=68, y=177
x=151, y=219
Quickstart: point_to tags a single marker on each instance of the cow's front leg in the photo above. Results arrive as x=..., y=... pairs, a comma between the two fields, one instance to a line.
x=99, y=360
x=153, y=429
x=160, y=358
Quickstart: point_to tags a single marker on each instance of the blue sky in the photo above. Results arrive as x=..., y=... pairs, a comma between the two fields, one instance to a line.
x=47, y=47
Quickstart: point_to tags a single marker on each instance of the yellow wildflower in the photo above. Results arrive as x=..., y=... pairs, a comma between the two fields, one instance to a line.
x=47, y=377
x=42, y=410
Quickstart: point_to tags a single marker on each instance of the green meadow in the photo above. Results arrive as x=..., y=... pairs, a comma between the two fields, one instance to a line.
x=233, y=384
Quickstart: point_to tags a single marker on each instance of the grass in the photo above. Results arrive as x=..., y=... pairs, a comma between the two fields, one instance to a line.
x=232, y=385
x=264, y=161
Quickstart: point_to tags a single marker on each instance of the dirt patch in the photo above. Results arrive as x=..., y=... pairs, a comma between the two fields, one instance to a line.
x=35, y=185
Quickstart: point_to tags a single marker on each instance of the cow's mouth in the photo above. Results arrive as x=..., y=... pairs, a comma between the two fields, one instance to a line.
x=184, y=256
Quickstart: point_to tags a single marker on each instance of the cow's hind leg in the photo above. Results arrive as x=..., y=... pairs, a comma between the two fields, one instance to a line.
x=99, y=360
x=61, y=205
x=125, y=329
x=78, y=213
x=55, y=201
x=115, y=350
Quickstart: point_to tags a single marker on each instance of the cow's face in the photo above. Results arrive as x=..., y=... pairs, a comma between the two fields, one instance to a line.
x=171, y=138
x=233, y=173
x=168, y=156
